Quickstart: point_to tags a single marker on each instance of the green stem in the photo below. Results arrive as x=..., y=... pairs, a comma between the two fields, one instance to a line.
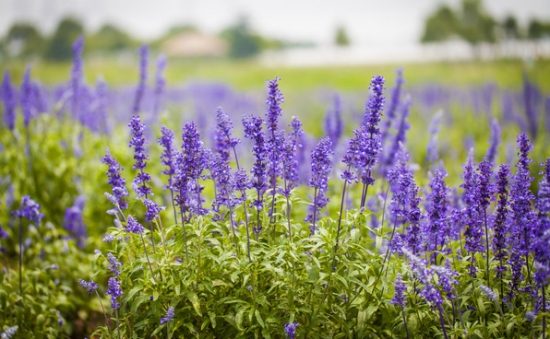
x=147, y=256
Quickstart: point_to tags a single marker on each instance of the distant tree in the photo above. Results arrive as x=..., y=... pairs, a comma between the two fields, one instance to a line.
x=23, y=40
x=341, y=38
x=440, y=26
x=111, y=39
x=59, y=46
x=476, y=25
x=242, y=43
x=510, y=28
x=538, y=29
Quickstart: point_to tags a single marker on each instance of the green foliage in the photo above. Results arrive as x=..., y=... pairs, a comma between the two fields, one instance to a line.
x=23, y=40
x=341, y=38
x=440, y=26
x=242, y=42
x=109, y=38
x=60, y=45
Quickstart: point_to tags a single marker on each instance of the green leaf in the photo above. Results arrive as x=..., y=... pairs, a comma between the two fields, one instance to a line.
x=194, y=299
x=259, y=318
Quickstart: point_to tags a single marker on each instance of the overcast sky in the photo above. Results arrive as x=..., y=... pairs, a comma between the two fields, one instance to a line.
x=366, y=21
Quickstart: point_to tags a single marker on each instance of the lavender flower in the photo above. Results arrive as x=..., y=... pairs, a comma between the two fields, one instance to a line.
x=436, y=207
x=333, y=124
x=140, y=91
x=190, y=165
x=160, y=83
x=73, y=221
x=392, y=108
x=401, y=182
x=400, y=137
x=8, y=98
x=275, y=140
x=290, y=330
x=320, y=169
x=253, y=130
x=77, y=77
x=433, y=145
x=224, y=141
x=114, y=291
x=500, y=225
x=29, y=210
x=26, y=97
x=494, y=141
x=400, y=289
x=542, y=236
x=522, y=229
x=133, y=226
x=488, y=292
x=115, y=180
x=3, y=234
x=290, y=163
x=91, y=286
x=425, y=277
x=138, y=142
x=372, y=141
x=153, y=209
x=168, y=157
x=471, y=214
x=114, y=264
x=169, y=316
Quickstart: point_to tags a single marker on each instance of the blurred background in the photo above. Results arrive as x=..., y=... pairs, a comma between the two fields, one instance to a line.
x=203, y=37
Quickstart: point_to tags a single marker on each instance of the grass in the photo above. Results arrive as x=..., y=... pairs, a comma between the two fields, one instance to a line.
x=246, y=75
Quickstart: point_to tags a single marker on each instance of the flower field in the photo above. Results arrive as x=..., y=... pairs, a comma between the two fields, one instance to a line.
x=201, y=211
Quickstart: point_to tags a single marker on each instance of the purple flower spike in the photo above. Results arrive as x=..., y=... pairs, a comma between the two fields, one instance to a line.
x=400, y=289
x=500, y=225
x=494, y=141
x=472, y=217
x=27, y=97
x=168, y=157
x=114, y=264
x=90, y=286
x=290, y=163
x=190, y=165
x=169, y=316
x=274, y=100
x=320, y=169
x=140, y=91
x=290, y=330
x=224, y=141
x=333, y=124
x=523, y=224
x=77, y=76
x=253, y=130
x=133, y=226
x=438, y=229
x=160, y=83
x=8, y=98
x=393, y=105
x=153, y=209
x=542, y=239
x=138, y=142
x=115, y=180
x=73, y=221
x=114, y=291
x=29, y=210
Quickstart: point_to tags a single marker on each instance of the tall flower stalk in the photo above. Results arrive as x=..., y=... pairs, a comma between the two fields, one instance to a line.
x=29, y=210
x=253, y=130
x=320, y=169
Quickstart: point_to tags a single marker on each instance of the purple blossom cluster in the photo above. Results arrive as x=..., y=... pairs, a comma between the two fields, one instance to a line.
x=320, y=169
x=117, y=182
x=138, y=142
x=29, y=210
x=115, y=291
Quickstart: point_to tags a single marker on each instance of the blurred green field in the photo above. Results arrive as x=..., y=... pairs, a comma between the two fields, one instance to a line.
x=249, y=75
